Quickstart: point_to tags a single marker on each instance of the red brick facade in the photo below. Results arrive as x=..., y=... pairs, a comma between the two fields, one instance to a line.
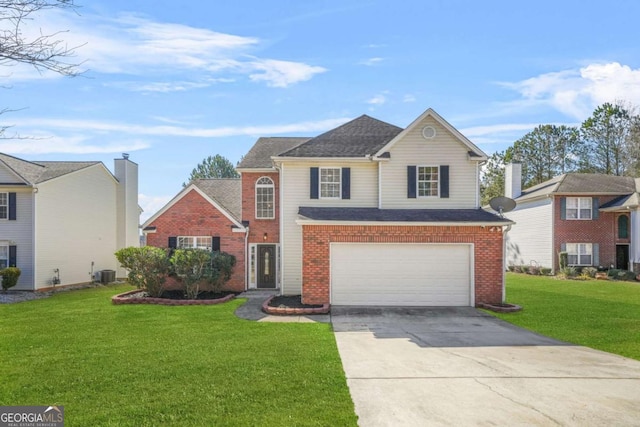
x=260, y=230
x=603, y=231
x=487, y=243
x=193, y=215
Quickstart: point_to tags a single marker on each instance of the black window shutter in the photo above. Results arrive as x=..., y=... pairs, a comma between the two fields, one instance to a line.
x=444, y=182
x=173, y=242
x=215, y=243
x=315, y=183
x=346, y=183
x=411, y=182
x=595, y=205
x=12, y=256
x=563, y=208
x=12, y=206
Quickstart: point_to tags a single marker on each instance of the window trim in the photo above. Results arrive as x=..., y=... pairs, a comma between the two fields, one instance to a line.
x=273, y=196
x=338, y=184
x=194, y=241
x=578, y=217
x=418, y=195
x=578, y=254
x=6, y=217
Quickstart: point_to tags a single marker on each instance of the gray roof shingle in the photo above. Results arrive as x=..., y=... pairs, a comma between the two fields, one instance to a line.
x=260, y=154
x=37, y=172
x=227, y=192
x=400, y=215
x=358, y=138
x=581, y=183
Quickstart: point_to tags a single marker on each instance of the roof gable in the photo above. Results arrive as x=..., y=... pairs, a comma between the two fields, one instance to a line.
x=473, y=151
x=581, y=183
x=225, y=195
x=37, y=172
x=360, y=137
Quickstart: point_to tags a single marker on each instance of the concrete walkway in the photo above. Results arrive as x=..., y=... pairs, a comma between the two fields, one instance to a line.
x=461, y=367
x=252, y=309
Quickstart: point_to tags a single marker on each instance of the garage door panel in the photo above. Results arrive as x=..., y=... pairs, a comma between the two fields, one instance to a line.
x=400, y=274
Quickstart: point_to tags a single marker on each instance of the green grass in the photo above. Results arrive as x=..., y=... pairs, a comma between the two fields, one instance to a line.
x=604, y=315
x=139, y=365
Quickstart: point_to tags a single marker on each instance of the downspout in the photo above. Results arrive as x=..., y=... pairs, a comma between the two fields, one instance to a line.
x=504, y=262
x=280, y=169
x=246, y=258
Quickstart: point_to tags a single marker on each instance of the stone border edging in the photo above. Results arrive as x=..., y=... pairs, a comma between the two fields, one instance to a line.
x=290, y=310
x=504, y=308
x=120, y=299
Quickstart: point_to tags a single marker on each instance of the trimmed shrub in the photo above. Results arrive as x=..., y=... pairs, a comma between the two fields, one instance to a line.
x=148, y=267
x=193, y=267
x=617, y=274
x=563, y=259
x=589, y=272
x=10, y=276
x=222, y=265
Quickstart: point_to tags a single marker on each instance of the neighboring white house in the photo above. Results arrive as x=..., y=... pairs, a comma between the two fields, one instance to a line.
x=62, y=222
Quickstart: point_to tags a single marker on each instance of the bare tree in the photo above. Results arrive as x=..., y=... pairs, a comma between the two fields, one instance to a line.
x=43, y=51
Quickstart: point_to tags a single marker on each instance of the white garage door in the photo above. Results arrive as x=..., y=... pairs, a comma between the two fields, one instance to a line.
x=400, y=274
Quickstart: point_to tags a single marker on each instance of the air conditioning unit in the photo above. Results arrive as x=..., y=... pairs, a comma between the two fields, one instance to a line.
x=108, y=276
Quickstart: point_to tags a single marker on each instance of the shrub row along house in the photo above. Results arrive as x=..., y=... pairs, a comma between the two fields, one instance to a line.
x=61, y=222
x=367, y=213
x=592, y=217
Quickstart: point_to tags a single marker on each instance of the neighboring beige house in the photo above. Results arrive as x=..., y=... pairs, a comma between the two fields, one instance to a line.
x=62, y=222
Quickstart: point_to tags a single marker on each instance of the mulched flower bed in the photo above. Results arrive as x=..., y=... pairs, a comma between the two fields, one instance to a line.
x=172, y=298
x=292, y=305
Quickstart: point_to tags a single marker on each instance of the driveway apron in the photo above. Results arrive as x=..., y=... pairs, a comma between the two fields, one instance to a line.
x=459, y=366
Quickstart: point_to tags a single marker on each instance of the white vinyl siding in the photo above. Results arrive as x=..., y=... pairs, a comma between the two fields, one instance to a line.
x=580, y=254
x=19, y=233
x=76, y=224
x=401, y=274
x=578, y=208
x=530, y=240
x=443, y=149
x=295, y=183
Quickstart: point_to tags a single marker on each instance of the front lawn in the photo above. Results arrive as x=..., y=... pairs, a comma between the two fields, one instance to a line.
x=604, y=315
x=146, y=365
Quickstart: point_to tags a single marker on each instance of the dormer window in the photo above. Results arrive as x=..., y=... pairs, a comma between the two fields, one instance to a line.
x=265, y=197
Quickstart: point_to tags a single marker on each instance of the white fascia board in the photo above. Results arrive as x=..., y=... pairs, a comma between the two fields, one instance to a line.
x=431, y=112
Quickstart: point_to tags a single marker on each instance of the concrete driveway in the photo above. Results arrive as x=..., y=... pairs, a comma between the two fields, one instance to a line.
x=459, y=366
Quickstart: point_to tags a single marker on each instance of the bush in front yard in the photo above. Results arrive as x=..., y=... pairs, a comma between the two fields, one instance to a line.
x=10, y=276
x=193, y=267
x=617, y=274
x=148, y=267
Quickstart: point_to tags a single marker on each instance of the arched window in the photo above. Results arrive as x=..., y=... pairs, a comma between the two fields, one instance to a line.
x=265, y=198
x=623, y=227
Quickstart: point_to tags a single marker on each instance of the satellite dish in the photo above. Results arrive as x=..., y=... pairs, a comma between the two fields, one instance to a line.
x=502, y=204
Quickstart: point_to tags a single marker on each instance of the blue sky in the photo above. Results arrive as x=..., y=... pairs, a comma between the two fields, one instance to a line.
x=171, y=82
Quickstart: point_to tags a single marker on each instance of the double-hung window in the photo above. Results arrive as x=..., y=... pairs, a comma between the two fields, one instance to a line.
x=578, y=208
x=580, y=253
x=330, y=183
x=4, y=205
x=199, y=242
x=427, y=181
x=4, y=256
x=264, y=198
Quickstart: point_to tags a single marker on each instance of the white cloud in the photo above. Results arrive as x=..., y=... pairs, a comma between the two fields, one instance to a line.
x=71, y=144
x=577, y=92
x=282, y=73
x=372, y=61
x=377, y=100
x=409, y=98
x=151, y=204
x=138, y=46
x=97, y=127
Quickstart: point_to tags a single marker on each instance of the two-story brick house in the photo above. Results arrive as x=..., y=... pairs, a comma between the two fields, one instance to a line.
x=370, y=214
x=589, y=216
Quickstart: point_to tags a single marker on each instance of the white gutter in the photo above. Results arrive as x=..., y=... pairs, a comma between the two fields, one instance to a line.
x=246, y=258
x=306, y=221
